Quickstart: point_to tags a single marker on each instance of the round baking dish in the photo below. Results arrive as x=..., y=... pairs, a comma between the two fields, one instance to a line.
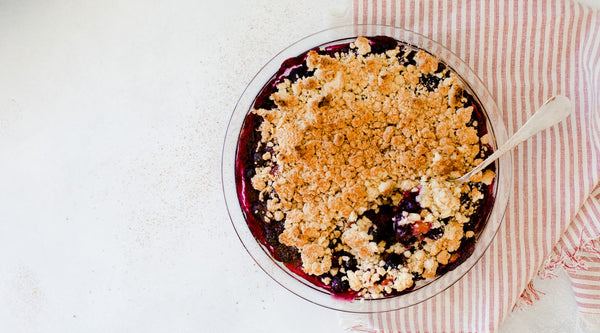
x=298, y=285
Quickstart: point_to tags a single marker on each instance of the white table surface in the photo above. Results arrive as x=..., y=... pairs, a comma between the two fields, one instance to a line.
x=112, y=116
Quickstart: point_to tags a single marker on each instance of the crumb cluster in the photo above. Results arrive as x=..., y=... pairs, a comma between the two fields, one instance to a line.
x=359, y=133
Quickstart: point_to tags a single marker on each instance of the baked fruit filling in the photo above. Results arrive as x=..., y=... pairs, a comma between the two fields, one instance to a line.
x=344, y=167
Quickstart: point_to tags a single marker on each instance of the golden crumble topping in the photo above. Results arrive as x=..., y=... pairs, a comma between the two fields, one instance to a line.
x=357, y=134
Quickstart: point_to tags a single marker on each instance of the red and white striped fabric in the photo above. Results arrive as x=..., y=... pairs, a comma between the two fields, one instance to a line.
x=525, y=52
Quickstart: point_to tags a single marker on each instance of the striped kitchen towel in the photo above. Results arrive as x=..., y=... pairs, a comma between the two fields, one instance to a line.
x=525, y=52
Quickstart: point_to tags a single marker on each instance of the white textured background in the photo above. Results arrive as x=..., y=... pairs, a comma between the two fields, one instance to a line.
x=112, y=116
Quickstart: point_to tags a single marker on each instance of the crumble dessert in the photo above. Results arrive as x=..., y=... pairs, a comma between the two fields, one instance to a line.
x=344, y=167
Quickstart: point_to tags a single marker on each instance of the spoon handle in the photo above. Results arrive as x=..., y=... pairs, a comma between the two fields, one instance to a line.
x=553, y=111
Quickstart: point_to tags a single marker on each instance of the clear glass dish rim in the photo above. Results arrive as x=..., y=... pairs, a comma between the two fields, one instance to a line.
x=276, y=270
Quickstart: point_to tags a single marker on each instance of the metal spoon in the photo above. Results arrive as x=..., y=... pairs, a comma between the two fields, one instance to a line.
x=553, y=111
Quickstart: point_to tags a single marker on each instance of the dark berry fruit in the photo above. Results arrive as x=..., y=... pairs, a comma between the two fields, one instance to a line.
x=409, y=203
x=394, y=260
x=349, y=263
x=271, y=237
x=382, y=229
x=440, y=67
x=249, y=173
x=338, y=285
x=430, y=81
x=344, y=260
x=404, y=233
x=409, y=59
